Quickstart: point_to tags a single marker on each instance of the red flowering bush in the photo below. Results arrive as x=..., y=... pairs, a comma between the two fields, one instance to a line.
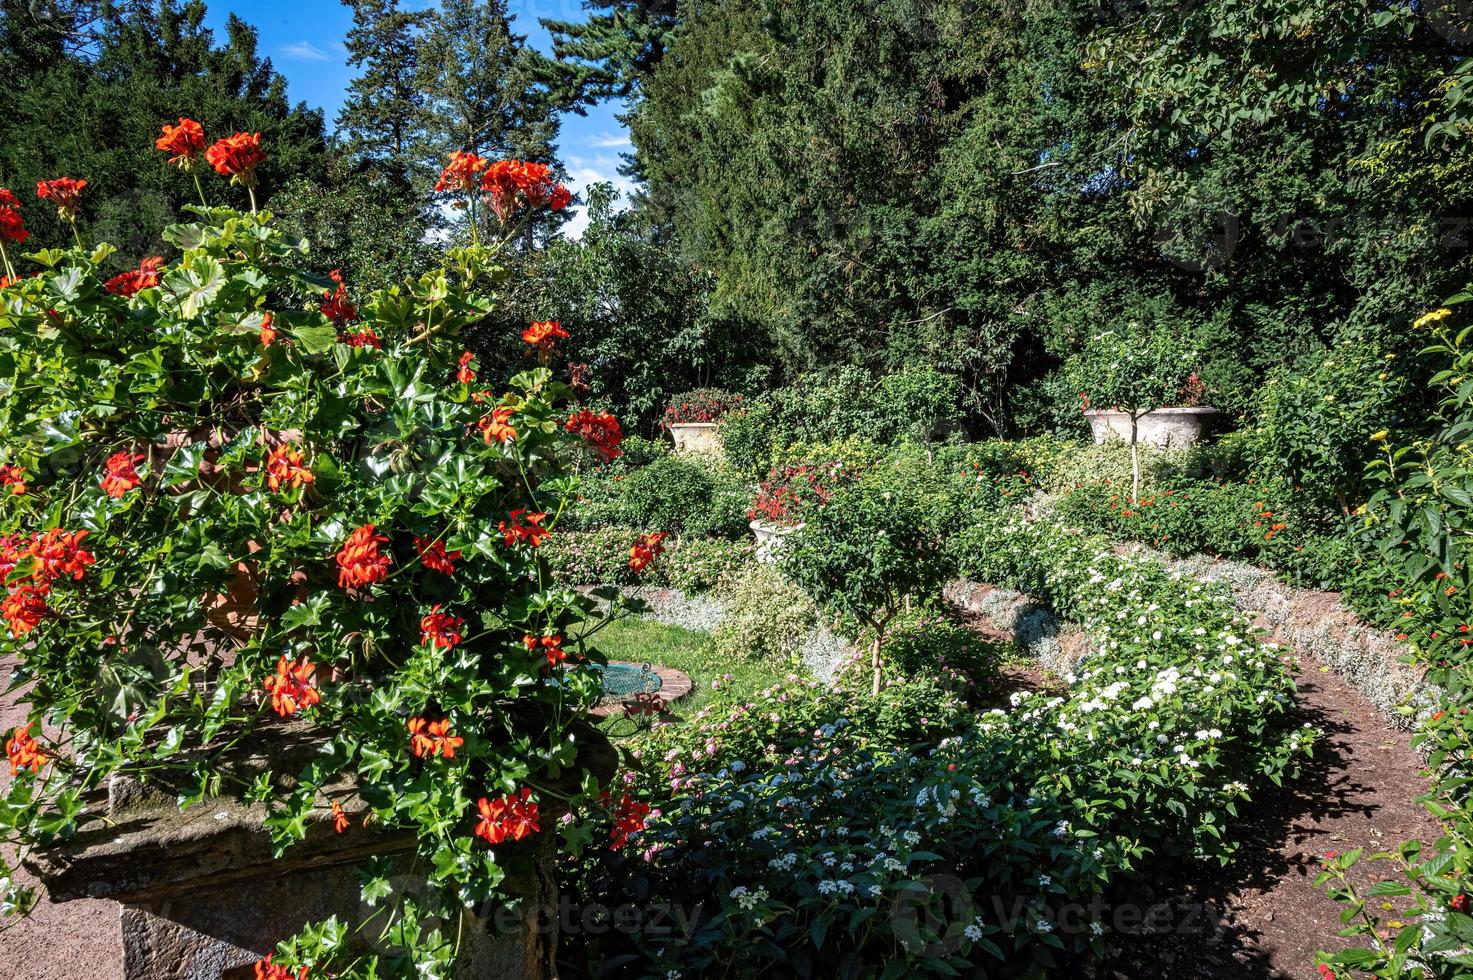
x=701, y=405
x=791, y=491
x=226, y=515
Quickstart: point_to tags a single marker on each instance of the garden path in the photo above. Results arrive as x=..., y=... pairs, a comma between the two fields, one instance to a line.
x=60, y=940
x=1359, y=790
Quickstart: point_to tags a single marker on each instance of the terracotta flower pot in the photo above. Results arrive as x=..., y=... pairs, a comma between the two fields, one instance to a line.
x=695, y=437
x=1165, y=428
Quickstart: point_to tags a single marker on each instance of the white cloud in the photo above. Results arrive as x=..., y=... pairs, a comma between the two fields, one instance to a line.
x=305, y=51
x=610, y=141
x=583, y=171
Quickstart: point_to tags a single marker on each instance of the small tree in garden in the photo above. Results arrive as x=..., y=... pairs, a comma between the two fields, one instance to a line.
x=243, y=505
x=863, y=552
x=1134, y=370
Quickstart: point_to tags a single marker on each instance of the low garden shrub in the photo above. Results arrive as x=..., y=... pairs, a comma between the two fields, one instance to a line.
x=673, y=493
x=928, y=643
x=601, y=557
x=767, y=616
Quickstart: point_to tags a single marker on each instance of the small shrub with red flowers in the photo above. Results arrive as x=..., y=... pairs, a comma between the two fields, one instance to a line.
x=708, y=405
x=245, y=504
x=791, y=491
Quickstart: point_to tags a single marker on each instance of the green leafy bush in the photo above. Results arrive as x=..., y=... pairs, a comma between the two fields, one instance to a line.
x=927, y=643
x=863, y=552
x=671, y=493
x=767, y=616
x=601, y=557
x=1313, y=424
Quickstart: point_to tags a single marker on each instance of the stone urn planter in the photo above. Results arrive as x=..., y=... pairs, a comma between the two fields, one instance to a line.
x=771, y=538
x=1165, y=428
x=695, y=437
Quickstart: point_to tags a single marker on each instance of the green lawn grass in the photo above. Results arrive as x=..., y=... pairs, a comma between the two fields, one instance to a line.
x=646, y=641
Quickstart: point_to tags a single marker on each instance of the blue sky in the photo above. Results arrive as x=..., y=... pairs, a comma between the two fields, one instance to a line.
x=304, y=40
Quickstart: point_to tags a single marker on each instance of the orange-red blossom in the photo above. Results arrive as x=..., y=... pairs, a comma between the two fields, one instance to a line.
x=65, y=193
x=284, y=467
x=509, y=818
x=23, y=751
x=360, y=563
x=431, y=738
x=184, y=143
x=291, y=686
x=120, y=474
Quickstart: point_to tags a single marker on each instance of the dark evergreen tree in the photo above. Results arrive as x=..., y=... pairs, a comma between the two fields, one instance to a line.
x=383, y=117
x=613, y=52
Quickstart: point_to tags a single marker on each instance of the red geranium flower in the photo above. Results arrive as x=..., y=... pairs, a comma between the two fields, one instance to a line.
x=184, y=142
x=291, y=686
x=431, y=738
x=12, y=225
x=601, y=432
x=551, y=646
x=646, y=550
x=460, y=173
x=544, y=333
x=267, y=970
x=629, y=819
x=237, y=157
x=497, y=427
x=360, y=563
x=13, y=477
x=24, y=607
x=23, y=751
x=65, y=193
x=144, y=277
x=440, y=629
x=336, y=306
x=524, y=525
x=339, y=818
x=433, y=556
x=284, y=467
x=59, y=554
x=362, y=338
x=511, y=183
x=268, y=329
x=466, y=375
x=1459, y=903
x=509, y=818
x=120, y=474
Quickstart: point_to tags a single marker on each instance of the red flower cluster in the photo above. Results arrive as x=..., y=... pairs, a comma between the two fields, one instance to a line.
x=59, y=554
x=704, y=405
x=789, y=490
x=284, y=467
x=268, y=329
x=551, y=646
x=510, y=184
x=184, y=142
x=145, y=276
x=1325, y=972
x=646, y=550
x=433, y=556
x=267, y=970
x=629, y=818
x=237, y=157
x=460, y=173
x=432, y=738
x=509, y=818
x=65, y=193
x=25, y=607
x=360, y=563
x=337, y=307
x=291, y=686
x=601, y=432
x=497, y=426
x=440, y=629
x=120, y=474
x=339, y=818
x=13, y=477
x=23, y=751
x=542, y=334
x=1459, y=903
x=12, y=225
x=524, y=525
x=466, y=374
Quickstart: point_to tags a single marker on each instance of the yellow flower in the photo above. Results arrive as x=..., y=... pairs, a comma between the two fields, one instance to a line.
x=1380, y=436
x=1427, y=319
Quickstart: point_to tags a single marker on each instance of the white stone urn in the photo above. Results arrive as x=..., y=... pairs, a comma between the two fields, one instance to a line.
x=1165, y=428
x=770, y=539
x=695, y=437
